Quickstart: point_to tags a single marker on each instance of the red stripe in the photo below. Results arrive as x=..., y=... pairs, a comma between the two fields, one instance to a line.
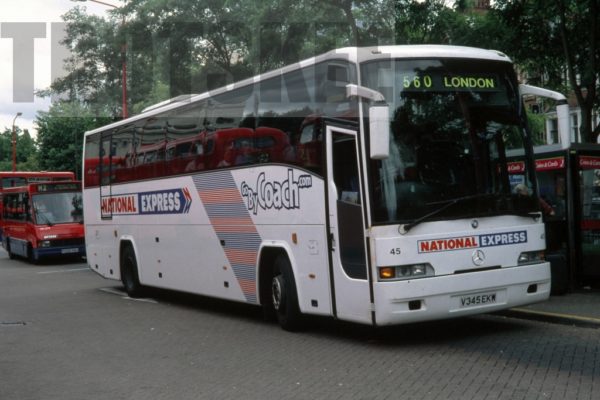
x=236, y=256
x=248, y=287
x=590, y=224
x=221, y=196
x=234, y=228
x=216, y=221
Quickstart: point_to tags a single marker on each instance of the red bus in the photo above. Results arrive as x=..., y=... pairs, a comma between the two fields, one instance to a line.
x=43, y=220
x=9, y=179
x=21, y=178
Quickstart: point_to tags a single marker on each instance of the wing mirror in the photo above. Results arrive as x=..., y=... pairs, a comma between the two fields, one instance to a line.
x=379, y=120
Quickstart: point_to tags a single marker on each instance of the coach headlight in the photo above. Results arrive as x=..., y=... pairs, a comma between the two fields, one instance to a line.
x=402, y=272
x=44, y=243
x=531, y=257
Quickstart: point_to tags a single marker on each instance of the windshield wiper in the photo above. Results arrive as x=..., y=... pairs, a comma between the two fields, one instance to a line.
x=48, y=222
x=449, y=203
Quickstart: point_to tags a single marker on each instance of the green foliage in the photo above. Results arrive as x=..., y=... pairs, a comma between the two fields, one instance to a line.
x=60, y=135
x=95, y=62
x=557, y=44
x=537, y=127
x=26, y=151
x=426, y=22
x=178, y=47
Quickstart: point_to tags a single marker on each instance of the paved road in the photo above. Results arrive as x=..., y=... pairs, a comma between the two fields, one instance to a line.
x=66, y=333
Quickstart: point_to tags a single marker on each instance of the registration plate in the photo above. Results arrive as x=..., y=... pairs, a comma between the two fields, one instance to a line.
x=479, y=299
x=69, y=251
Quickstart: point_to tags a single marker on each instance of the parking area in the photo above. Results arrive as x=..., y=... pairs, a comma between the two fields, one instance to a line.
x=66, y=333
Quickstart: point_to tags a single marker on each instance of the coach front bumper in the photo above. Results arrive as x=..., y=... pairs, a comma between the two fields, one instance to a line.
x=459, y=295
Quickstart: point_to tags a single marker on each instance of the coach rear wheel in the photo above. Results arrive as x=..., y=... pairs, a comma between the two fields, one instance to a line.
x=284, y=295
x=129, y=273
x=277, y=291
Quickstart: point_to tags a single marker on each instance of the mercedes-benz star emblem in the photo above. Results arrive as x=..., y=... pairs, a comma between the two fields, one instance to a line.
x=478, y=257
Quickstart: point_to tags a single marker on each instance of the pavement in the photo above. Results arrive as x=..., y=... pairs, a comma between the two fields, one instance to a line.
x=580, y=307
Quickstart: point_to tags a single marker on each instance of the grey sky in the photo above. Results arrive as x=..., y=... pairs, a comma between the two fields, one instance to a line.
x=43, y=12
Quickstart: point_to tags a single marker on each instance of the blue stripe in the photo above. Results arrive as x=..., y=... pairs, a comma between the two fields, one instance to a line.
x=216, y=180
x=233, y=210
x=249, y=241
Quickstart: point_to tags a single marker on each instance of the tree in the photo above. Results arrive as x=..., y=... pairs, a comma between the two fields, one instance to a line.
x=60, y=135
x=579, y=20
x=423, y=22
x=94, y=76
x=178, y=47
x=556, y=43
x=26, y=151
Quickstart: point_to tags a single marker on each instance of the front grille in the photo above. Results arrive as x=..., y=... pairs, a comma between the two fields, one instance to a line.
x=466, y=271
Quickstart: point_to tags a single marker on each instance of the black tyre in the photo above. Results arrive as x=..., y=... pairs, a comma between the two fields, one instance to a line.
x=559, y=271
x=11, y=255
x=284, y=295
x=30, y=257
x=129, y=273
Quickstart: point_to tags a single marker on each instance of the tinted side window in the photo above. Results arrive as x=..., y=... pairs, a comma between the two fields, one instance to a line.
x=150, y=147
x=16, y=206
x=91, y=163
x=122, y=152
x=185, y=135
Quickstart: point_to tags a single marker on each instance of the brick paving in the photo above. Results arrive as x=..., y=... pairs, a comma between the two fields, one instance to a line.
x=79, y=342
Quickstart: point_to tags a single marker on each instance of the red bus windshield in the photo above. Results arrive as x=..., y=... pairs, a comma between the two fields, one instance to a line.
x=57, y=208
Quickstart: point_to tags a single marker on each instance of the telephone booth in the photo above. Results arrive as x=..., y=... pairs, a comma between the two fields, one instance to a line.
x=569, y=181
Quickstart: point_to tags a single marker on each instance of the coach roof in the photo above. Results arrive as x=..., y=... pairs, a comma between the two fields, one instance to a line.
x=352, y=54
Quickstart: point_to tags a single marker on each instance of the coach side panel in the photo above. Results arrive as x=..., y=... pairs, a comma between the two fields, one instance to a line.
x=203, y=233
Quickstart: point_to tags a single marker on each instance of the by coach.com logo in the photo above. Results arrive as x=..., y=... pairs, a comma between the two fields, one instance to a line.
x=268, y=194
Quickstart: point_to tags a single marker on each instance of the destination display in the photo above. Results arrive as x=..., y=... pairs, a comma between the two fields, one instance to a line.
x=58, y=187
x=438, y=81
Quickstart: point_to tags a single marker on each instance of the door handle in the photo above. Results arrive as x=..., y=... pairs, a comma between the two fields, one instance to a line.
x=331, y=241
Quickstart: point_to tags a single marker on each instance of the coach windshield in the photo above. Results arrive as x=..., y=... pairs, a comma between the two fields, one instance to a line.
x=452, y=122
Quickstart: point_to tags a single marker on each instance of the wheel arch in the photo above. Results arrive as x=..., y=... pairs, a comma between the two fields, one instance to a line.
x=127, y=241
x=266, y=260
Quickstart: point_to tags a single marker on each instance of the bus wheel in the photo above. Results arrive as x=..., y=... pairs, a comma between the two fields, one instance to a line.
x=30, y=257
x=284, y=295
x=129, y=273
x=11, y=255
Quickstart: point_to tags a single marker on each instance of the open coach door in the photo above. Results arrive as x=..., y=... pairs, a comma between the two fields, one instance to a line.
x=348, y=259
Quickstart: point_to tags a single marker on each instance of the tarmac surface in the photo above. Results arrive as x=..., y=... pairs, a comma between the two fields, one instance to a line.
x=578, y=308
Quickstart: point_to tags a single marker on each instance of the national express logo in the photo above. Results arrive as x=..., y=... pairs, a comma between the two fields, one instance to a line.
x=170, y=201
x=268, y=194
x=471, y=242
